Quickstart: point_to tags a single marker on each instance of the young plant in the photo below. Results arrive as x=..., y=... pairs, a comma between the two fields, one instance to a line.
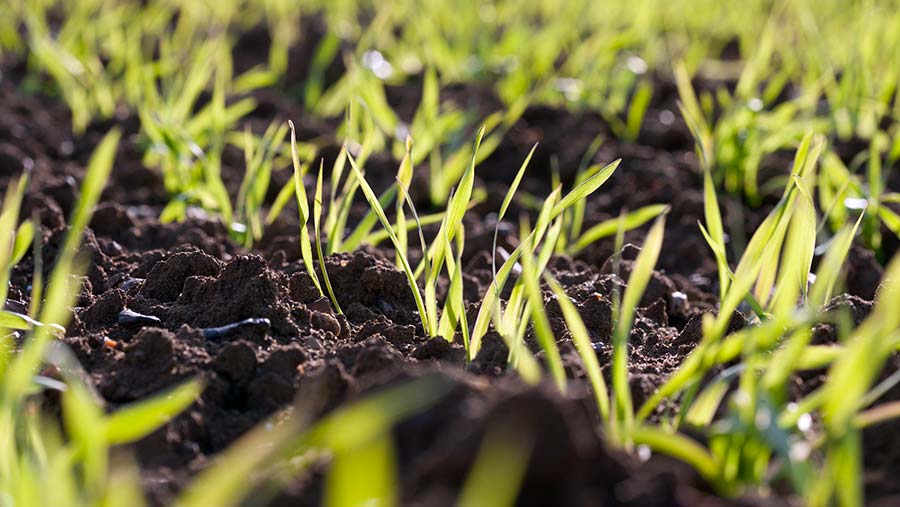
x=258, y=158
x=451, y=227
x=303, y=210
x=622, y=410
x=14, y=243
x=849, y=378
x=531, y=270
x=317, y=218
x=744, y=132
x=552, y=209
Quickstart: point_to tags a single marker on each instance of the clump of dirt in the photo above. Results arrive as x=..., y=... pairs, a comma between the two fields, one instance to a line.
x=370, y=286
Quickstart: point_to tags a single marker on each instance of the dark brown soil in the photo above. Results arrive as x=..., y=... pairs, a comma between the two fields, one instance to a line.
x=166, y=302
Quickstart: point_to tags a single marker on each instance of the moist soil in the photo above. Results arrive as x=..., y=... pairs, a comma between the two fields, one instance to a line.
x=162, y=303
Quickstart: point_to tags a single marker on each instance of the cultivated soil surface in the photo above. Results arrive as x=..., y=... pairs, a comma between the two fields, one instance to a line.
x=162, y=303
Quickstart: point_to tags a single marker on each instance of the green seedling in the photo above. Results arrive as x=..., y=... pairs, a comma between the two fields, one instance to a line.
x=303, y=210
x=621, y=409
x=552, y=209
x=317, y=218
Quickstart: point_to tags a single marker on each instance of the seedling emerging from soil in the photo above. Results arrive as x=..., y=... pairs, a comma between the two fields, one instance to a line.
x=317, y=218
x=553, y=208
x=303, y=209
x=14, y=243
x=641, y=271
x=531, y=269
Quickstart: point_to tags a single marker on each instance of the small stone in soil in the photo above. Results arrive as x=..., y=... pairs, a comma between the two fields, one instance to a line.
x=679, y=301
x=130, y=318
x=321, y=305
x=254, y=324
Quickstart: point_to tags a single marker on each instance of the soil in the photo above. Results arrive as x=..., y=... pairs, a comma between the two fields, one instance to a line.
x=162, y=303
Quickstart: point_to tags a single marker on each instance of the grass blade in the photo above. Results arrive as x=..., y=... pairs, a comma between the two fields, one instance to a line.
x=580, y=336
x=641, y=271
x=585, y=189
x=830, y=267
x=317, y=217
x=9, y=217
x=24, y=237
x=364, y=475
x=679, y=447
x=507, y=200
x=404, y=178
x=715, y=231
x=61, y=292
x=609, y=227
x=303, y=208
x=542, y=331
x=137, y=420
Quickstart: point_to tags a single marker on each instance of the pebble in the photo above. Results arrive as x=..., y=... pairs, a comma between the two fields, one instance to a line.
x=130, y=318
x=214, y=333
x=679, y=302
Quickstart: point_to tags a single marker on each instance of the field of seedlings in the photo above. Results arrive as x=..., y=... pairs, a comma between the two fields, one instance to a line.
x=475, y=253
